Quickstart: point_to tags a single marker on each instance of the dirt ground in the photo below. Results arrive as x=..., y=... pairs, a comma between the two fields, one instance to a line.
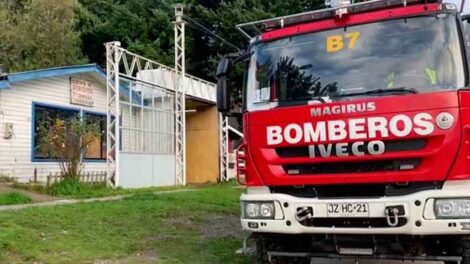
x=37, y=197
x=223, y=226
x=219, y=226
x=141, y=258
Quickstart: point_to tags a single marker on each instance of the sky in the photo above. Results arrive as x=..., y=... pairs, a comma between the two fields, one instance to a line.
x=466, y=8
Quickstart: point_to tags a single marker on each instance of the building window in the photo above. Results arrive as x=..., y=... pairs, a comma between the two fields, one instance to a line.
x=42, y=113
x=147, y=119
x=97, y=149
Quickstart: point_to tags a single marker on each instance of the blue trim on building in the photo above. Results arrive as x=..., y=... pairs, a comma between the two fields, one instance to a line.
x=51, y=72
x=4, y=84
x=84, y=111
x=58, y=106
x=33, y=132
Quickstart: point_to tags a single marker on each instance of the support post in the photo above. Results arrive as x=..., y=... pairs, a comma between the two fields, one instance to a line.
x=180, y=107
x=113, y=57
x=223, y=141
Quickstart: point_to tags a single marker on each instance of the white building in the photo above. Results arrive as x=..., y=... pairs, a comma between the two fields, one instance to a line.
x=81, y=90
x=25, y=96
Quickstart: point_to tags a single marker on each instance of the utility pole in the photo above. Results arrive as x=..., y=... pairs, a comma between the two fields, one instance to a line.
x=180, y=100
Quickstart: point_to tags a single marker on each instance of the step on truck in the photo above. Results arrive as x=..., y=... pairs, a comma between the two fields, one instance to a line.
x=356, y=122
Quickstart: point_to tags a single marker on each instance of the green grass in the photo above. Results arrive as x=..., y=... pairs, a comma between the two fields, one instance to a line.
x=10, y=198
x=85, y=190
x=144, y=228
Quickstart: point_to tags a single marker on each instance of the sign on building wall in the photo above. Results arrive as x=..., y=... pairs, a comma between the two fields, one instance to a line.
x=81, y=92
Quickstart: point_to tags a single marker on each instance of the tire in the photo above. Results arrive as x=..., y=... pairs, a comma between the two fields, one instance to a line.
x=261, y=251
x=466, y=250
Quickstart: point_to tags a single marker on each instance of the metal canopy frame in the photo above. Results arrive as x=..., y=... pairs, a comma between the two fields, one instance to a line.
x=123, y=67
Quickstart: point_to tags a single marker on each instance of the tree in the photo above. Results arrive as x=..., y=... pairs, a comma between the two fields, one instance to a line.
x=142, y=26
x=38, y=34
x=67, y=141
x=46, y=33
x=145, y=27
x=222, y=20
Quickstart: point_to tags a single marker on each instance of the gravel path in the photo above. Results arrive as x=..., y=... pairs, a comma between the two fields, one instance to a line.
x=75, y=201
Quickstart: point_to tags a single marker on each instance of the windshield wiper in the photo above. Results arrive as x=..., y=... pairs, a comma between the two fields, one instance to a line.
x=382, y=91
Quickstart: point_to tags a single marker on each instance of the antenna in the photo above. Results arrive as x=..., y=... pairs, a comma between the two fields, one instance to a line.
x=180, y=96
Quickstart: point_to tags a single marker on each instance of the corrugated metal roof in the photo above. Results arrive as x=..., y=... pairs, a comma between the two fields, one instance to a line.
x=50, y=72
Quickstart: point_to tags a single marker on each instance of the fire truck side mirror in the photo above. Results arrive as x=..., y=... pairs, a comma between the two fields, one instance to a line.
x=223, y=68
x=223, y=95
x=223, y=91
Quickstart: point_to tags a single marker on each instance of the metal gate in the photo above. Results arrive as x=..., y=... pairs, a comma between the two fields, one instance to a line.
x=140, y=122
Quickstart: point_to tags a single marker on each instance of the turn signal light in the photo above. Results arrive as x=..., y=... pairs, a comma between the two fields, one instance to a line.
x=241, y=164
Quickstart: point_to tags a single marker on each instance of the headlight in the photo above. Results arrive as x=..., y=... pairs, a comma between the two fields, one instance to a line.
x=452, y=208
x=266, y=210
x=259, y=210
x=251, y=210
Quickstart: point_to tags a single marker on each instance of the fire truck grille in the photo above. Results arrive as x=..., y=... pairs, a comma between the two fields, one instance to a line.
x=352, y=167
x=352, y=222
x=390, y=146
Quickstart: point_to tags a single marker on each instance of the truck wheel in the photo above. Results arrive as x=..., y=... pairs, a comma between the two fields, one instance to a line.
x=261, y=251
x=466, y=250
x=465, y=253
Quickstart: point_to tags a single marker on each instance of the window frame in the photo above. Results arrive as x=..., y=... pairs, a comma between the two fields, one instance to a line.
x=81, y=113
x=103, y=137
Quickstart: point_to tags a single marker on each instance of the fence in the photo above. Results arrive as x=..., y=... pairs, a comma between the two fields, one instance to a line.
x=93, y=177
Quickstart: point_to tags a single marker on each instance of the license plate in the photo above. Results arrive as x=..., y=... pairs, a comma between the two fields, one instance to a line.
x=348, y=210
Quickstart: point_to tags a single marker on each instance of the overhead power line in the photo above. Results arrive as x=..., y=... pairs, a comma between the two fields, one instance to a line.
x=208, y=31
x=201, y=27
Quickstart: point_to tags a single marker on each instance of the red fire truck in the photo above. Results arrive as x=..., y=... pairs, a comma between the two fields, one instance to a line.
x=357, y=133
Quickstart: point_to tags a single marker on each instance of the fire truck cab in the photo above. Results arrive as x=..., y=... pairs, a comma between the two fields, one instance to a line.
x=357, y=133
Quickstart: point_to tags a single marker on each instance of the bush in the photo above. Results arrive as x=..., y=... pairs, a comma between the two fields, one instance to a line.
x=73, y=188
x=66, y=187
x=14, y=198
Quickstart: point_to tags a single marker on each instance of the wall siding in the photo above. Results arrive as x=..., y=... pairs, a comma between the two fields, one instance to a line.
x=16, y=107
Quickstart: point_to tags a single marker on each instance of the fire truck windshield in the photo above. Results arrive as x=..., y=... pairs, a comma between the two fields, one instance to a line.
x=422, y=54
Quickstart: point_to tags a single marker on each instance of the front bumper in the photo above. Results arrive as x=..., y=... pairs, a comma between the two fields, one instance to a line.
x=418, y=212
